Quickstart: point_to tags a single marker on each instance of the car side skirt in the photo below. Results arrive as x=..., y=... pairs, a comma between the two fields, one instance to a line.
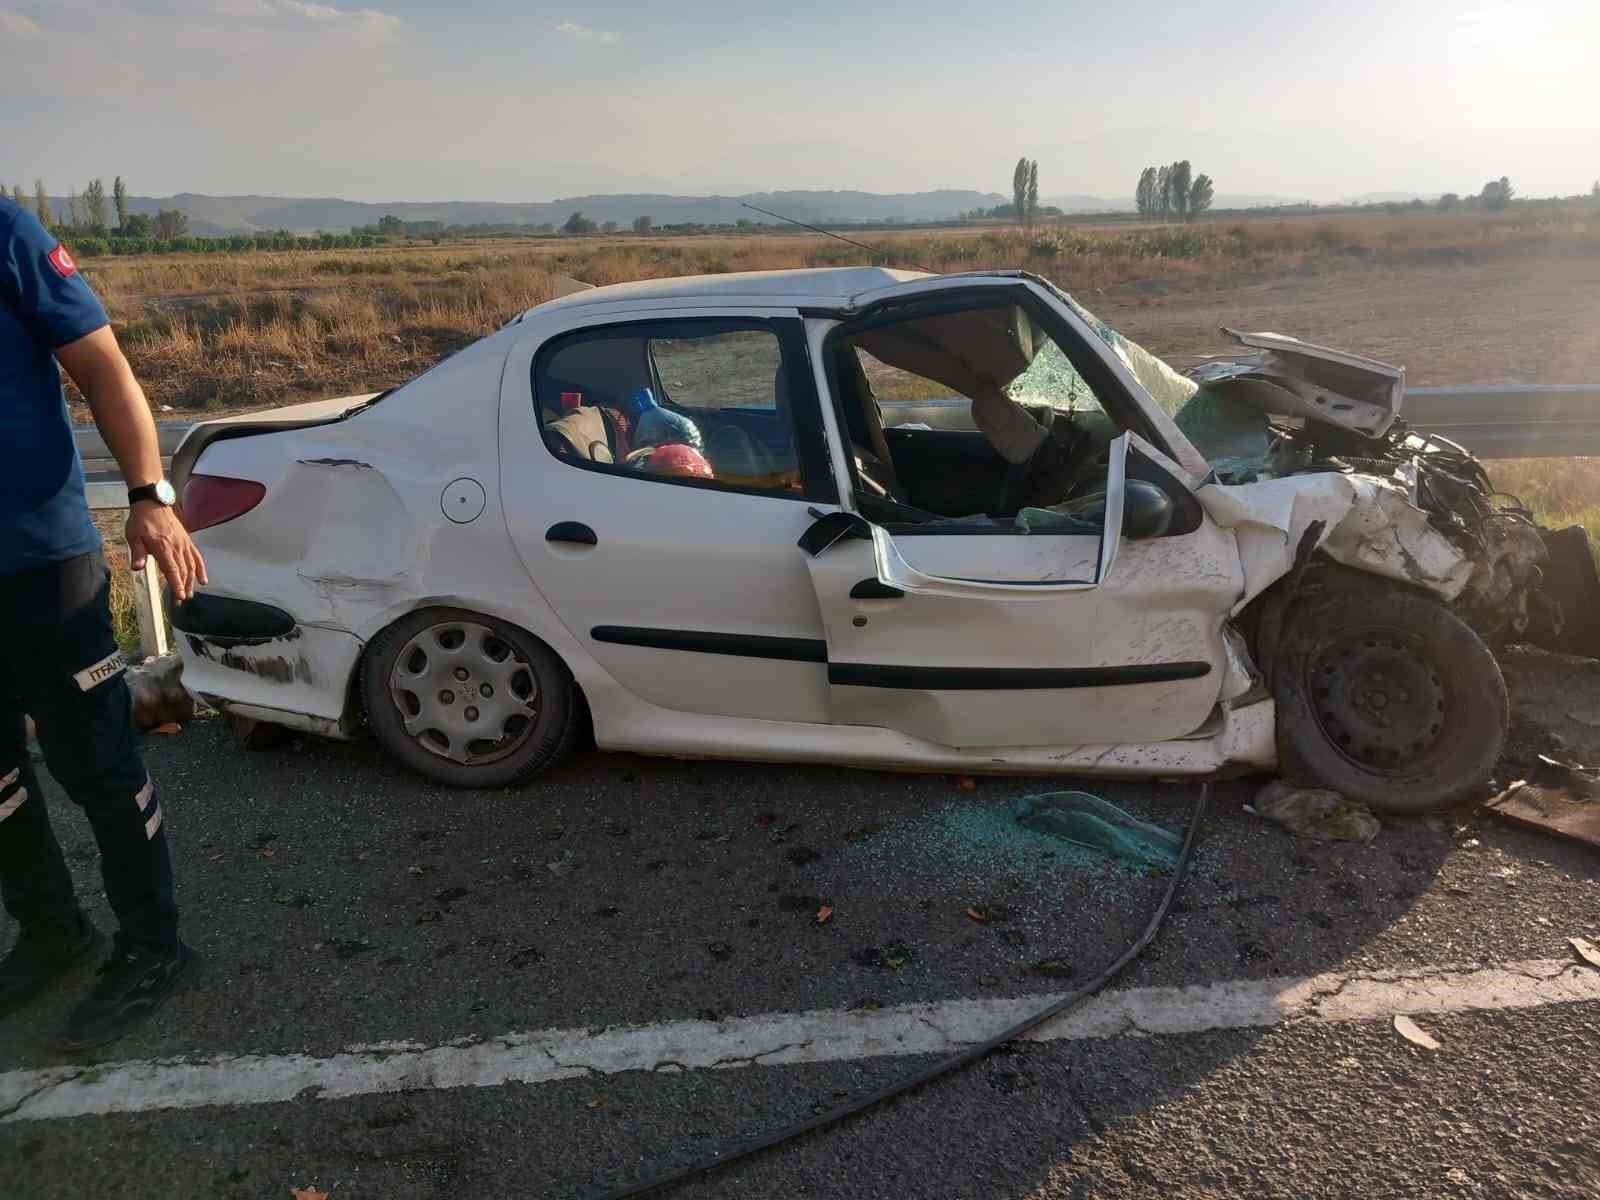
x=1245, y=741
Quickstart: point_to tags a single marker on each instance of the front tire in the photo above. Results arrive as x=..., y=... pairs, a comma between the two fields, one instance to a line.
x=467, y=700
x=1387, y=697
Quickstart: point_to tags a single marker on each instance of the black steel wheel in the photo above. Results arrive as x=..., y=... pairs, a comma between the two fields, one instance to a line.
x=1387, y=697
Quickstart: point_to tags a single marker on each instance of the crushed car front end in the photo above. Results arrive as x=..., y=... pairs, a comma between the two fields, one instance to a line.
x=1380, y=564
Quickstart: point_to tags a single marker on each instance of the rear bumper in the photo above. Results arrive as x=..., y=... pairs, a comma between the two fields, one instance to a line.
x=241, y=655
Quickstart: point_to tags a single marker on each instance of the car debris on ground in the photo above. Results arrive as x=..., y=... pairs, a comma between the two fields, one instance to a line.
x=1087, y=820
x=1315, y=813
x=1558, y=809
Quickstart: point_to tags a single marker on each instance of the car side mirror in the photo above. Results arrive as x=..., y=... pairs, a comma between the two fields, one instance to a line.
x=1146, y=510
x=831, y=527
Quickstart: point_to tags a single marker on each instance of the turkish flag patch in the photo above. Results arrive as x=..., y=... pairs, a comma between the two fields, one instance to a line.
x=62, y=262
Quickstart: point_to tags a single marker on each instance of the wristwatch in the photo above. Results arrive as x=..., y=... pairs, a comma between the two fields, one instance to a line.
x=160, y=491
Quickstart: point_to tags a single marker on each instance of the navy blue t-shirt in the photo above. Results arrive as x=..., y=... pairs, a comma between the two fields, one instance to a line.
x=44, y=303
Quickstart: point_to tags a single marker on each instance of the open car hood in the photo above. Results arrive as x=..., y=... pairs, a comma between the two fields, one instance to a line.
x=1291, y=378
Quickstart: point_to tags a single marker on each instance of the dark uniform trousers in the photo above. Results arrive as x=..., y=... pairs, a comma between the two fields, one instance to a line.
x=59, y=663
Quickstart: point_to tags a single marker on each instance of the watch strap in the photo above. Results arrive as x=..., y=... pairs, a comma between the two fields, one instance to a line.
x=149, y=491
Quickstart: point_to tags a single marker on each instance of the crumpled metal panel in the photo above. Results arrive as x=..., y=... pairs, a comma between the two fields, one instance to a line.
x=1292, y=378
x=1368, y=523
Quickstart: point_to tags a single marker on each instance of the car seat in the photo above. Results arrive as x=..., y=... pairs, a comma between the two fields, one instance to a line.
x=745, y=461
x=583, y=434
x=733, y=452
x=864, y=420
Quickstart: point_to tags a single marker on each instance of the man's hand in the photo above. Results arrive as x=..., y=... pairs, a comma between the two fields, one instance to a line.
x=98, y=367
x=154, y=531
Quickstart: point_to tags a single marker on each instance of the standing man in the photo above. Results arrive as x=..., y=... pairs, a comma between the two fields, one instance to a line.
x=58, y=658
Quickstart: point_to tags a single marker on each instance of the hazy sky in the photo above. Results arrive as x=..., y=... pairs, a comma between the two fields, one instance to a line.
x=517, y=100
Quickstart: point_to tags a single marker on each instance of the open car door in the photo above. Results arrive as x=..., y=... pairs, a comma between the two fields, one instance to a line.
x=1066, y=638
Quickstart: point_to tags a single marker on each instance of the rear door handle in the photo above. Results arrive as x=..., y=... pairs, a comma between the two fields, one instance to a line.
x=574, y=533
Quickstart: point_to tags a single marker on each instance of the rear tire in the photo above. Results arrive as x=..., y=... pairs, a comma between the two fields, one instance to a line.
x=467, y=700
x=1387, y=697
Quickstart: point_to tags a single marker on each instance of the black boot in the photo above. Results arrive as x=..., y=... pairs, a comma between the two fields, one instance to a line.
x=132, y=984
x=42, y=955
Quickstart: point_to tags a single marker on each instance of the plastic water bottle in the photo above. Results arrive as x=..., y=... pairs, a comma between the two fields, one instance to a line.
x=640, y=403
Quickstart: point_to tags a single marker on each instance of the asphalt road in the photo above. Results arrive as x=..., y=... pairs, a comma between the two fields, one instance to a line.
x=340, y=902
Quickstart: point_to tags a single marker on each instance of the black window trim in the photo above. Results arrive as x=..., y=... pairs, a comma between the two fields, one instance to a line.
x=817, y=482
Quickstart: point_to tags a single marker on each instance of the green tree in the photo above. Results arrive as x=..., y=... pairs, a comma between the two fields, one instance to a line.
x=119, y=196
x=390, y=225
x=94, y=204
x=137, y=225
x=1497, y=193
x=1033, y=192
x=1201, y=192
x=41, y=203
x=1144, y=195
x=1448, y=201
x=643, y=224
x=171, y=223
x=1163, y=192
x=1181, y=177
x=20, y=196
x=578, y=223
x=1594, y=192
x=1019, y=190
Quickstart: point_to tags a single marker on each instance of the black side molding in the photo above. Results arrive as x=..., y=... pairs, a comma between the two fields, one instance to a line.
x=230, y=622
x=1009, y=679
x=874, y=589
x=739, y=645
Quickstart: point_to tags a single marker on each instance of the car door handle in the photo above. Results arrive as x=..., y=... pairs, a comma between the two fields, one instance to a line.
x=574, y=533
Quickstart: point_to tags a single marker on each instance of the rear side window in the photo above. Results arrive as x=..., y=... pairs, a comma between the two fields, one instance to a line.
x=707, y=403
x=737, y=369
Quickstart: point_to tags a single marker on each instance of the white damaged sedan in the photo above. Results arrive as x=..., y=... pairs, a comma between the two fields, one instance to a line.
x=865, y=517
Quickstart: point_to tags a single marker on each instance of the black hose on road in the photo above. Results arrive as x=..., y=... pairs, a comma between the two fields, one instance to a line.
x=670, y=1179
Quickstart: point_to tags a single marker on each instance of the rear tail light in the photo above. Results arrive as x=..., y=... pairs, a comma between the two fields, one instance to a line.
x=212, y=499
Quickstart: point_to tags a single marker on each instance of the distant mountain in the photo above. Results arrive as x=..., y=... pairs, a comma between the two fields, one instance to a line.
x=214, y=215
x=1389, y=198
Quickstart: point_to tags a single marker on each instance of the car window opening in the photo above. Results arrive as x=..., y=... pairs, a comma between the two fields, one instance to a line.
x=688, y=402
x=1037, y=463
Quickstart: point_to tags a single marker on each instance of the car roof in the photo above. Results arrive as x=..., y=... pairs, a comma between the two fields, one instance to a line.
x=822, y=287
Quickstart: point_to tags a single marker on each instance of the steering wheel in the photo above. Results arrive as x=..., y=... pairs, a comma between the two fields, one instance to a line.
x=1064, y=452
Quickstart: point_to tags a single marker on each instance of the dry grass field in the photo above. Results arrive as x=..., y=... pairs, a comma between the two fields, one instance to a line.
x=1469, y=297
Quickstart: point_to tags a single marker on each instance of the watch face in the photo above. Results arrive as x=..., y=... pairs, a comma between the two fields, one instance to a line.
x=165, y=494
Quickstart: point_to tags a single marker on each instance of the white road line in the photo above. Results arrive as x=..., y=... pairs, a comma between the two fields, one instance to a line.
x=777, y=1039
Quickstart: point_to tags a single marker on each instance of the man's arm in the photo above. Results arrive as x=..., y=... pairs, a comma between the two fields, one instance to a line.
x=122, y=414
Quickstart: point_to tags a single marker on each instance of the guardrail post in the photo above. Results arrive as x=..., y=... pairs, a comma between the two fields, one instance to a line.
x=147, y=605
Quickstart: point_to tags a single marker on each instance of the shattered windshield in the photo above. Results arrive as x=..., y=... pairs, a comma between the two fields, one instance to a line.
x=1052, y=381
x=1169, y=389
x=1223, y=428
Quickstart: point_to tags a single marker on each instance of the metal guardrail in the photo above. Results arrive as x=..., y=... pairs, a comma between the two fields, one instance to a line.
x=1493, y=421
x=1511, y=421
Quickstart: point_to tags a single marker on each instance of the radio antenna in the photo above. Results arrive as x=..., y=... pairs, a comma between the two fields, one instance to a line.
x=881, y=253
